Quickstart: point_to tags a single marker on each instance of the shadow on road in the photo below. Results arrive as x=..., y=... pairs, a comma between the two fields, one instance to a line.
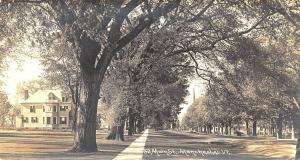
x=174, y=145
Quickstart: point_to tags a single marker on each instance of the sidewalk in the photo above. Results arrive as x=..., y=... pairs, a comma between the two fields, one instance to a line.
x=136, y=150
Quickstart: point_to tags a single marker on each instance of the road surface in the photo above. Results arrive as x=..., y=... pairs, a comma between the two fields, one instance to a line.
x=183, y=146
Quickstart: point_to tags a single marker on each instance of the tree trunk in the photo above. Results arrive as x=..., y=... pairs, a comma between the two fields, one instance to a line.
x=116, y=133
x=140, y=124
x=85, y=131
x=265, y=131
x=297, y=156
x=296, y=123
x=247, y=127
x=254, y=128
x=226, y=129
x=222, y=128
x=279, y=126
x=131, y=121
x=273, y=131
x=229, y=123
x=134, y=125
x=73, y=117
x=209, y=129
x=126, y=124
x=138, y=117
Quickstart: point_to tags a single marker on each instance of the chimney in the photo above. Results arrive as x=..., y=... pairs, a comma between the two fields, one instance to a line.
x=26, y=94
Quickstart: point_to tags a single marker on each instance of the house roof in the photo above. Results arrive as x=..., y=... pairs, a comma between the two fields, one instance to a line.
x=42, y=96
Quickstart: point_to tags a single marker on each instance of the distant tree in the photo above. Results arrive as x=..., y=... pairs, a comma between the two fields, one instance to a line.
x=31, y=86
x=194, y=117
x=253, y=82
x=129, y=73
x=5, y=107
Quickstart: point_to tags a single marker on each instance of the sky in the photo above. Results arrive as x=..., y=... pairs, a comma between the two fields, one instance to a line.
x=28, y=69
x=199, y=89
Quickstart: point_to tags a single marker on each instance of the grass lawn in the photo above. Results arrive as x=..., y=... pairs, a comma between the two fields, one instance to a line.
x=54, y=145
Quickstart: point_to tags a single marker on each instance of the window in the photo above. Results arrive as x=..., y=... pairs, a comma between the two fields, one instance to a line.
x=32, y=109
x=43, y=120
x=51, y=96
x=47, y=109
x=63, y=108
x=25, y=120
x=48, y=120
x=63, y=120
x=54, y=120
x=54, y=109
x=64, y=99
x=34, y=120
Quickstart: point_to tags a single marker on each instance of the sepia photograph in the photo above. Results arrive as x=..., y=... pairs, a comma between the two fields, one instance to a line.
x=149, y=79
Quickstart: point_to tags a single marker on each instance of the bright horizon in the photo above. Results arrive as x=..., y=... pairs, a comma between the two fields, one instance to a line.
x=199, y=87
x=28, y=69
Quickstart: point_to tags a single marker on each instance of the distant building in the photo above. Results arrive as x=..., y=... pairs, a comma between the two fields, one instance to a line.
x=49, y=109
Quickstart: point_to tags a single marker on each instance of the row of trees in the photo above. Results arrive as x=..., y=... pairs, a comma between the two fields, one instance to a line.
x=92, y=36
x=144, y=88
x=259, y=81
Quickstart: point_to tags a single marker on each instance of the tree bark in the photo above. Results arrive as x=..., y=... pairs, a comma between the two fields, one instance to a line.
x=229, y=123
x=116, y=133
x=296, y=123
x=134, y=126
x=209, y=129
x=140, y=124
x=297, y=156
x=85, y=131
x=139, y=119
x=73, y=118
x=247, y=127
x=279, y=126
x=226, y=129
x=222, y=128
x=131, y=120
x=254, y=128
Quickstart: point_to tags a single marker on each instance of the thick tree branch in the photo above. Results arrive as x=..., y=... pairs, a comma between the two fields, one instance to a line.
x=115, y=32
x=198, y=16
x=145, y=22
